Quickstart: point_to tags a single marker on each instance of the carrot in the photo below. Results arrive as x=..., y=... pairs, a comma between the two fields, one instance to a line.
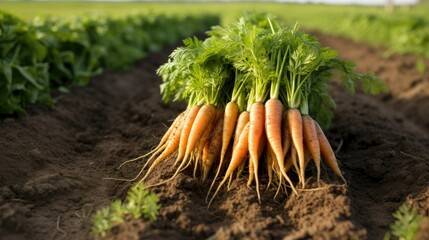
x=168, y=149
x=172, y=146
x=197, y=160
x=257, y=122
x=242, y=120
x=273, y=126
x=170, y=130
x=228, y=187
x=240, y=170
x=327, y=153
x=288, y=160
x=251, y=173
x=295, y=129
x=201, y=122
x=202, y=119
x=206, y=135
x=278, y=187
x=238, y=155
x=230, y=120
x=294, y=155
x=279, y=174
x=186, y=129
x=261, y=149
x=204, y=156
x=307, y=157
x=286, y=140
x=205, y=138
x=162, y=144
x=269, y=163
x=215, y=145
x=311, y=141
x=183, y=142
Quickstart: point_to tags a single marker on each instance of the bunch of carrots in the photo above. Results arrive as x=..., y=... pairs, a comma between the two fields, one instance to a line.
x=256, y=93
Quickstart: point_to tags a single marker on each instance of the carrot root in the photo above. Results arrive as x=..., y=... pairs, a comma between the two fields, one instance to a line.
x=311, y=141
x=238, y=155
x=296, y=131
x=327, y=153
x=256, y=131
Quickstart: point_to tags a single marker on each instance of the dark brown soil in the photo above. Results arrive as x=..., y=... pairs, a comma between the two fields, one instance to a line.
x=52, y=162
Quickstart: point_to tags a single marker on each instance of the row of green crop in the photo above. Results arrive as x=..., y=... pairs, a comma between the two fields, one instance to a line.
x=399, y=32
x=49, y=54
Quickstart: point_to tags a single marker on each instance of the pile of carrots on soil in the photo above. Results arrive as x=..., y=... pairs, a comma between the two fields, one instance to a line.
x=256, y=93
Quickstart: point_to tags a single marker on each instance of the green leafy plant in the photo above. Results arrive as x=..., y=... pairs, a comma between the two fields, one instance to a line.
x=139, y=202
x=406, y=223
x=55, y=53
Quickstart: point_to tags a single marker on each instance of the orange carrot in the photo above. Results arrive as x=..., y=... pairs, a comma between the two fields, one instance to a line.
x=327, y=153
x=289, y=161
x=186, y=129
x=293, y=155
x=273, y=126
x=215, y=145
x=238, y=155
x=251, y=169
x=240, y=170
x=261, y=149
x=204, y=156
x=175, y=133
x=170, y=130
x=307, y=157
x=295, y=129
x=205, y=138
x=269, y=157
x=206, y=135
x=230, y=119
x=172, y=146
x=202, y=120
x=162, y=144
x=280, y=184
x=286, y=140
x=183, y=142
x=311, y=141
x=257, y=122
x=243, y=119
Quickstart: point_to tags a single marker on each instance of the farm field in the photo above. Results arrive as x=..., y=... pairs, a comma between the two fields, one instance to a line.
x=53, y=159
x=402, y=30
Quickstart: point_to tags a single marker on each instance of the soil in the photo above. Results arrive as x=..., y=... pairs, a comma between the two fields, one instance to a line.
x=53, y=161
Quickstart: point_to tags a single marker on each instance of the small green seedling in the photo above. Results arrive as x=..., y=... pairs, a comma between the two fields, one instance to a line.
x=406, y=225
x=139, y=202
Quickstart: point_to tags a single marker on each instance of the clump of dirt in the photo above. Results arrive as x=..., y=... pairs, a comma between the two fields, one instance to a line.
x=53, y=161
